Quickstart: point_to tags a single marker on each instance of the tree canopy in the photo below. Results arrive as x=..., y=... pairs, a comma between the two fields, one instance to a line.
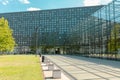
x=7, y=42
x=114, y=42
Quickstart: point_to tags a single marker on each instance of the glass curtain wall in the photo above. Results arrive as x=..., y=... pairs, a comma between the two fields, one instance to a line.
x=99, y=34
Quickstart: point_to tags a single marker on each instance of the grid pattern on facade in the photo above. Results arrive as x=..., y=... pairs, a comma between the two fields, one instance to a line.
x=89, y=31
x=99, y=34
x=50, y=26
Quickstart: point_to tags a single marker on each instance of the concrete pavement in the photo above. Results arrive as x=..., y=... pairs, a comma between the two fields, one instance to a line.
x=82, y=68
x=48, y=72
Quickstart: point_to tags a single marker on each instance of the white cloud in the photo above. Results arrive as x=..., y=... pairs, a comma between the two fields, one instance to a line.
x=96, y=2
x=25, y=1
x=4, y=2
x=33, y=9
x=106, y=1
x=91, y=2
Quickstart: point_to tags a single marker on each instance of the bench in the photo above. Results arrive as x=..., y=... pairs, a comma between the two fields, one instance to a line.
x=56, y=74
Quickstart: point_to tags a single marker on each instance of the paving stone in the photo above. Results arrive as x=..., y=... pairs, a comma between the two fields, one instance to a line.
x=83, y=68
x=85, y=76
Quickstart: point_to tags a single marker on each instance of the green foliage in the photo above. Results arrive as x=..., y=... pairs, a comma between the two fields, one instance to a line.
x=7, y=42
x=114, y=42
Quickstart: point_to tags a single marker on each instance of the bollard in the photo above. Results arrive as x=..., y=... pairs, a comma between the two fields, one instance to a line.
x=43, y=57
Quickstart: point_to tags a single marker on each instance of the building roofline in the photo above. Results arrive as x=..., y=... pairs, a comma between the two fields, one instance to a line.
x=51, y=9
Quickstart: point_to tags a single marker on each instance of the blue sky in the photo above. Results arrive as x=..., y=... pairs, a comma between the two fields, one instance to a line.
x=31, y=5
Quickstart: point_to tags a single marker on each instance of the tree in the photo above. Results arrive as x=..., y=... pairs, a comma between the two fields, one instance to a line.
x=7, y=42
x=114, y=42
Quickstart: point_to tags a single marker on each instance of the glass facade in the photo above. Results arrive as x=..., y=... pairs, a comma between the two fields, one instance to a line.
x=46, y=27
x=99, y=34
x=89, y=31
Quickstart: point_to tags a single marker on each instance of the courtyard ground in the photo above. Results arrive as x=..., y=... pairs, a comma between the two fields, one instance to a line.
x=84, y=68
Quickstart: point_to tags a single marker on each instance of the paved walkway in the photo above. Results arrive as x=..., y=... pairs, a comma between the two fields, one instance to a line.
x=48, y=73
x=82, y=68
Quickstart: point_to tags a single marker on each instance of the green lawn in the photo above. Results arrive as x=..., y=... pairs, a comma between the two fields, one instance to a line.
x=20, y=67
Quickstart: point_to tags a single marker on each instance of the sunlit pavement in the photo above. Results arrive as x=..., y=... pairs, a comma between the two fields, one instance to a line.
x=48, y=73
x=82, y=68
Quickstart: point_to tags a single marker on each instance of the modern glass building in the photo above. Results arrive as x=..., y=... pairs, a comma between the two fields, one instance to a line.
x=99, y=33
x=89, y=31
x=46, y=27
